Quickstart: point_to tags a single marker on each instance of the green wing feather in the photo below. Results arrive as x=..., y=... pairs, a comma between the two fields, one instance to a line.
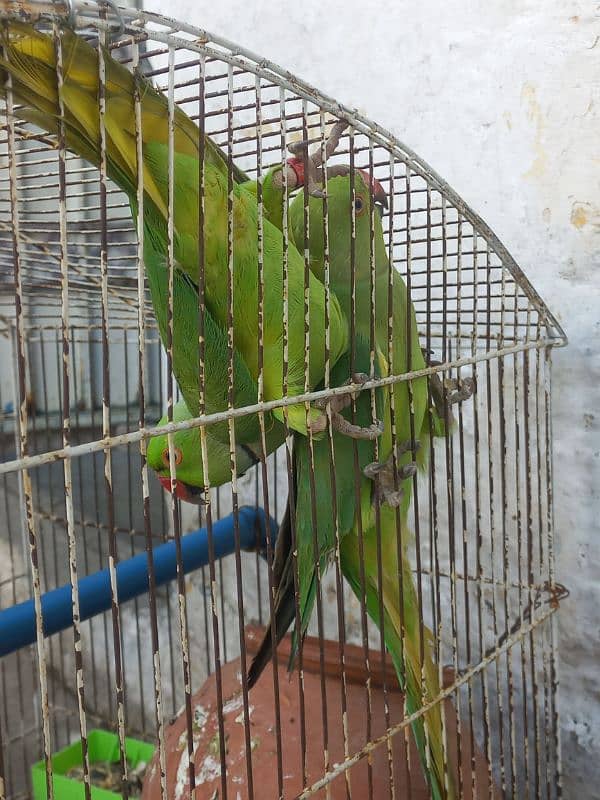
x=408, y=641
x=29, y=57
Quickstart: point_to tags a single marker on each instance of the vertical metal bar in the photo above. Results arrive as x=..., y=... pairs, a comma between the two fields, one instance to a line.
x=289, y=443
x=205, y=581
x=535, y=750
x=201, y=399
x=181, y=589
x=413, y=437
x=376, y=314
x=219, y=493
x=231, y=425
x=486, y=721
x=544, y=742
x=549, y=469
x=202, y=410
x=141, y=336
x=452, y=515
x=29, y=658
x=6, y=775
x=258, y=561
x=313, y=501
x=132, y=526
x=23, y=441
x=8, y=666
x=543, y=493
x=439, y=649
x=95, y=391
x=386, y=314
x=372, y=348
x=80, y=484
x=432, y=488
x=66, y=409
x=529, y=693
x=106, y=424
x=539, y=661
x=493, y=515
x=506, y=566
x=356, y=466
x=463, y=511
x=401, y=533
x=261, y=419
x=339, y=585
x=49, y=543
x=58, y=692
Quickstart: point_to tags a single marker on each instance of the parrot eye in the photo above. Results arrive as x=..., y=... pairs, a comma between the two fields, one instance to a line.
x=178, y=456
x=359, y=205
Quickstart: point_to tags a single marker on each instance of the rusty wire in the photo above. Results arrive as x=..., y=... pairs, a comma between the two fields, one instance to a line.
x=89, y=380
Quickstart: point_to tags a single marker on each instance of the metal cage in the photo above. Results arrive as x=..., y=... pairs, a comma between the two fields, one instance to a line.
x=84, y=379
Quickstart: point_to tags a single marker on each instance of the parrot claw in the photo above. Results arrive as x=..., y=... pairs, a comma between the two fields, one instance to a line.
x=449, y=391
x=461, y=389
x=338, y=403
x=312, y=163
x=341, y=425
x=382, y=474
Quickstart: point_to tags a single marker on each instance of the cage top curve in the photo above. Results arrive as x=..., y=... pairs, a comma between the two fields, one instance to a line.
x=126, y=25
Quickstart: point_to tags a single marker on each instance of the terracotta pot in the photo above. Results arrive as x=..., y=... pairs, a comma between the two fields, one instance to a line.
x=408, y=779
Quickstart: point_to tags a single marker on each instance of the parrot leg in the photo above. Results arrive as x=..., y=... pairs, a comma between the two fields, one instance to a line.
x=461, y=388
x=338, y=403
x=382, y=473
x=312, y=165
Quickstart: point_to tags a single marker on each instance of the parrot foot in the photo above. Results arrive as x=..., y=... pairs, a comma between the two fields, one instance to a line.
x=382, y=473
x=311, y=166
x=460, y=388
x=338, y=403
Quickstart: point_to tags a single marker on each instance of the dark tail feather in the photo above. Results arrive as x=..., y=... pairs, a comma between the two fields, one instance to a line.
x=283, y=580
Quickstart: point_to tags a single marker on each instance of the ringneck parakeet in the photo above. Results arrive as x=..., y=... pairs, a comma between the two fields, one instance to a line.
x=190, y=481
x=372, y=512
x=30, y=59
x=188, y=456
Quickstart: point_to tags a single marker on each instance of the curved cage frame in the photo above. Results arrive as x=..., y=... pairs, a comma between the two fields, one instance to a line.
x=492, y=479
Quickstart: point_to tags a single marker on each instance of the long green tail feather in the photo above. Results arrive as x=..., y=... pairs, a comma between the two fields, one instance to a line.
x=402, y=633
x=30, y=58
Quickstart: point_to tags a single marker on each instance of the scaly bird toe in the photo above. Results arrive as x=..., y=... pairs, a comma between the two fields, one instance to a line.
x=382, y=474
x=338, y=403
x=449, y=391
x=341, y=425
x=310, y=167
x=460, y=388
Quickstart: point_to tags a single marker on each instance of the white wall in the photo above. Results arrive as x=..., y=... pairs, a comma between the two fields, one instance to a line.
x=502, y=98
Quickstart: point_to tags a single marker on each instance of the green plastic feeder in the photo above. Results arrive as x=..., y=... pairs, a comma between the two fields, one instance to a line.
x=102, y=746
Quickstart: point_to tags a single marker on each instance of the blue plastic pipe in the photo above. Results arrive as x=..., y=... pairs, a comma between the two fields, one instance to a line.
x=17, y=624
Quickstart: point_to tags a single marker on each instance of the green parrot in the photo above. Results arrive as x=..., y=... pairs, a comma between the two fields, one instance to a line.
x=189, y=474
x=373, y=509
x=190, y=482
x=30, y=59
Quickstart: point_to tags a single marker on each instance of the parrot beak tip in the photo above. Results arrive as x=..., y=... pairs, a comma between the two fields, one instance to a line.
x=378, y=192
x=181, y=490
x=380, y=195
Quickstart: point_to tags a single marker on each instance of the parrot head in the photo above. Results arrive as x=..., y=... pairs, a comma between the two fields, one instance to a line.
x=188, y=484
x=340, y=198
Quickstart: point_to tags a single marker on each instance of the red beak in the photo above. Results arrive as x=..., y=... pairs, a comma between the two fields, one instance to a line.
x=179, y=490
x=377, y=190
x=189, y=494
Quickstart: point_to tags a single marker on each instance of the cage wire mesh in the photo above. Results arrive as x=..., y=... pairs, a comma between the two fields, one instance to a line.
x=84, y=380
